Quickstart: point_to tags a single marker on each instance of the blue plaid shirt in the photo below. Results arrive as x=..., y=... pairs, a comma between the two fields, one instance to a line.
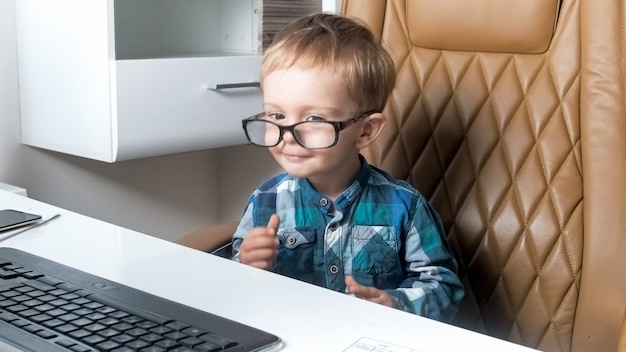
x=384, y=233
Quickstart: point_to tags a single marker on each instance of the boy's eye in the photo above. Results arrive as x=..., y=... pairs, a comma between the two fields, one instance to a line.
x=315, y=118
x=275, y=116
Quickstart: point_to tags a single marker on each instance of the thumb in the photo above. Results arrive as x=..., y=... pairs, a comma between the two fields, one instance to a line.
x=273, y=223
x=351, y=284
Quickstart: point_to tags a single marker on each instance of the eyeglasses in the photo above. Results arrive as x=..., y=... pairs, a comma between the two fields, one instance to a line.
x=308, y=134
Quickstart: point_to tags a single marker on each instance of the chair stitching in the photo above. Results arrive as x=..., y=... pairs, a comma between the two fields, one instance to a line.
x=552, y=325
x=474, y=58
x=427, y=112
x=507, y=158
x=532, y=249
x=384, y=149
x=549, y=182
x=532, y=245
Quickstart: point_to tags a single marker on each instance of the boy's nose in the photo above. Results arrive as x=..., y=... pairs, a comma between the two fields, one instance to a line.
x=288, y=137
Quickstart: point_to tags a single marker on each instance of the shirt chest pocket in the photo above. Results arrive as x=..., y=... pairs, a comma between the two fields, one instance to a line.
x=374, y=249
x=296, y=252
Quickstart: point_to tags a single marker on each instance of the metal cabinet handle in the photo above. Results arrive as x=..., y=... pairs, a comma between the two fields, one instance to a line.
x=218, y=86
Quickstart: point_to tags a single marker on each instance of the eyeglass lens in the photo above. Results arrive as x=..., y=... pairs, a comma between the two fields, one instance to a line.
x=309, y=134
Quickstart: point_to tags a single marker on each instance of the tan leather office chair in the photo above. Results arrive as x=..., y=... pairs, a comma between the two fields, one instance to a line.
x=510, y=116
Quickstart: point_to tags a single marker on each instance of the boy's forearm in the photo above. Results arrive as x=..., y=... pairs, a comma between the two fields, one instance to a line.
x=435, y=297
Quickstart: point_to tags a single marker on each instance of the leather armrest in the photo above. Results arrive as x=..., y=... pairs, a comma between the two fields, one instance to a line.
x=209, y=238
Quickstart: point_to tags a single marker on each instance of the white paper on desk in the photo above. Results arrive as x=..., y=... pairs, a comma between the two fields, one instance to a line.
x=45, y=217
x=369, y=344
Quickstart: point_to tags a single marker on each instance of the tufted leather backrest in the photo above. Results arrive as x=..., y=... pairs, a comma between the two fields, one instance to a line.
x=510, y=117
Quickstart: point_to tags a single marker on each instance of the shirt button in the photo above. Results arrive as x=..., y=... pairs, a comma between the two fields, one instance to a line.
x=323, y=202
x=334, y=269
x=291, y=240
x=333, y=226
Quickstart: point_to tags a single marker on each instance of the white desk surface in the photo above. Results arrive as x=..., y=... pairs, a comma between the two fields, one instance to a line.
x=305, y=317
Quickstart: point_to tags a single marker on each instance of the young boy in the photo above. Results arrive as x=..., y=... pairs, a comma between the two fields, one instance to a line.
x=332, y=219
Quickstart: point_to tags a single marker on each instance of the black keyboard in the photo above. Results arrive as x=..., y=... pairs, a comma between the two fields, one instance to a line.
x=46, y=306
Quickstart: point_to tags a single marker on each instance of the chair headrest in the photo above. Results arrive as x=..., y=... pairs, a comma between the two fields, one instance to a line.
x=508, y=26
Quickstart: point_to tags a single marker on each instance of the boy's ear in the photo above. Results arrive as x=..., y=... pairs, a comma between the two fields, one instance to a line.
x=372, y=127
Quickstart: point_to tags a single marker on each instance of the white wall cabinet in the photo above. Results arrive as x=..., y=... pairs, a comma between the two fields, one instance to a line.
x=114, y=80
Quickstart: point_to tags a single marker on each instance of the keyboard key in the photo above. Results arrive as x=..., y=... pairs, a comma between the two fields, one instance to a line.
x=70, y=307
x=28, y=313
x=167, y=343
x=107, y=346
x=65, y=342
x=32, y=275
x=36, y=284
x=107, y=333
x=16, y=308
x=32, y=328
x=44, y=307
x=161, y=330
x=136, y=332
x=108, y=321
x=35, y=293
x=53, y=323
x=176, y=335
x=151, y=337
x=94, y=327
x=50, y=281
x=82, y=322
x=20, y=323
x=218, y=340
x=191, y=331
x=79, y=334
x=56, y=312
x=32, y=303
x=81, y=301
x=79, y=348
x=123, y=338
x=95, y=316
x=176, y=325
x=7, y=274
x=118, y=314
x=46, y=334
x=93, y=339
x=122, y=326
x=66, y=328
x=137, y=344
x=40, y=318
x=6, y=316
x=69, y=317
x=190, y=341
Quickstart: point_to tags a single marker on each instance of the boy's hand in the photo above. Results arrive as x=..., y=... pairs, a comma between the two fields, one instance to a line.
x=368, y=293
x=259, y=247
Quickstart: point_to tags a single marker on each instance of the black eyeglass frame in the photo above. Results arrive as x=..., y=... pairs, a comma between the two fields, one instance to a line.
x=338, y=126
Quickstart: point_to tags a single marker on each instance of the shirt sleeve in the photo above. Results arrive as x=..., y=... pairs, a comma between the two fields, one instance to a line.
x=431, y=287
x=245, y=224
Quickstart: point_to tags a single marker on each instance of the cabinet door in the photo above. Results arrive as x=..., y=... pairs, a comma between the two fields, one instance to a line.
x=168, y=105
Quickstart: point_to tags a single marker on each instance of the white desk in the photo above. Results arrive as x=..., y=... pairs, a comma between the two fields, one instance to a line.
x=305, y=317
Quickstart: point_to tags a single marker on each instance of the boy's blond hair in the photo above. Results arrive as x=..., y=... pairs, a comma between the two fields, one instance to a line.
x=340, y=45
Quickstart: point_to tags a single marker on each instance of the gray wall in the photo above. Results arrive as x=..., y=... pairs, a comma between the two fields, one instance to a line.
x=166, y=196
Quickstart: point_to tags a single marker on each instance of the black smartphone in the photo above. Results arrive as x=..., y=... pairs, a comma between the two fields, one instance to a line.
x=10, y=219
